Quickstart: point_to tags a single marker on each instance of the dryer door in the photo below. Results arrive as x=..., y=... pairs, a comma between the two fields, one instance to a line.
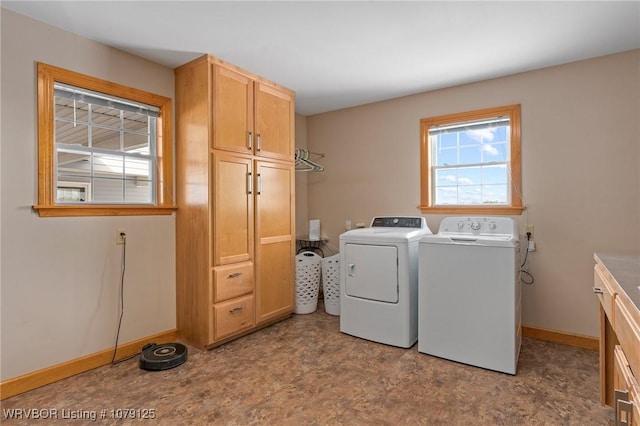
x=372, y=272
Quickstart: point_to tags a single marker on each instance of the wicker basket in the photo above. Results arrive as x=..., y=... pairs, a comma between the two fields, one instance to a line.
x=331, y=284
x=308, y=270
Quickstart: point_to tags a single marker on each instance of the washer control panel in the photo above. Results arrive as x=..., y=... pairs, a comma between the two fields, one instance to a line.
x=478, y=225
x=399, y=222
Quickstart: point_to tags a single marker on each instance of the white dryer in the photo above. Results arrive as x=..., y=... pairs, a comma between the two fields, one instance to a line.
x=379, y=280
x=469, y=293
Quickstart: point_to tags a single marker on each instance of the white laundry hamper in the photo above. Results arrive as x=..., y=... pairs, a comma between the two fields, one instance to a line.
x=308, y=270
x=331, y=284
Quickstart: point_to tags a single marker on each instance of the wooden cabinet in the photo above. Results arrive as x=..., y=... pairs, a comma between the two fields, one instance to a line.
x=232, y=98
x=235, y=183
x=251, y=116
x=231, y=281
x=232, y=205
x=615, y=283
x=626, y=398
x=274, y=239
x=233, y=316
x=273, y=136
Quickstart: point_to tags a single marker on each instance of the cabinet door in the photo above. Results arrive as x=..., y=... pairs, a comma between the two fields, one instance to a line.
x=232, y=110
x=232, y=198
x=274, y=122
x=626, y=388
x=275, y=242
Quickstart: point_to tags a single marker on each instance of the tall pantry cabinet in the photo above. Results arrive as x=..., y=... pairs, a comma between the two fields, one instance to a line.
x=235, y=238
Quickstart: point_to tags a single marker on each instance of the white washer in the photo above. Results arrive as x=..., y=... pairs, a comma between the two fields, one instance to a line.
x=469, y=293
x=379, y=280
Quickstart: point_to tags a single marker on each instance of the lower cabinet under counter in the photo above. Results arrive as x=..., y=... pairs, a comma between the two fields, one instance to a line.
x=627, y=390
x=615, y=280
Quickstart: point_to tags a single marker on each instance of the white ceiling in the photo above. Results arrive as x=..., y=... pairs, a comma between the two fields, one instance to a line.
x=340, y=54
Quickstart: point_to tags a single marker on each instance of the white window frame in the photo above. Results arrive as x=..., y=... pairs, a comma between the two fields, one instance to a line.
x=86, y=187
x=93, y=102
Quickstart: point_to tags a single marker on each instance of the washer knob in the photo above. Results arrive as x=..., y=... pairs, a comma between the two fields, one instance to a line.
x=460, y=225
x=492, y=226
x=475, y=225
x=395, y=220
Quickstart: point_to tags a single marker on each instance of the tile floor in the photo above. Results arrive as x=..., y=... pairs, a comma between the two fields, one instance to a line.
x=303, y=371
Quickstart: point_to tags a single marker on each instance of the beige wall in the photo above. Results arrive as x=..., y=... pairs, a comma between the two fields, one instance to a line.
x=302, y=223
x=60, y=277
x=581, y=155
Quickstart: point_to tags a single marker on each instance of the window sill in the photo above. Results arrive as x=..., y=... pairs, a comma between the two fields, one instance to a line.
x=95, y=210
x=473, y=210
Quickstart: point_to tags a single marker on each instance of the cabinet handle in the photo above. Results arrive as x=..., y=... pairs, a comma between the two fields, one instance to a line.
x=259, y=184
x=623, y=405
x=259, y=145
x=235, y=275
x=236, y=309
x=249, y=183
x=598, y=290
x=250, y=141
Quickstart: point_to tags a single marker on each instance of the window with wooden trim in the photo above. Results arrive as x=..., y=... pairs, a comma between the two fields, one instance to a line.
x=103, y=148
x=470, y=162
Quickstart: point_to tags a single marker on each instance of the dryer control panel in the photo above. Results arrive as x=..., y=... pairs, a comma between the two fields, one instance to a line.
x=399, y=222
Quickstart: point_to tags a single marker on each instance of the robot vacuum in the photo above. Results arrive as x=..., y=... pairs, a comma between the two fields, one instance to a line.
x=162, y=357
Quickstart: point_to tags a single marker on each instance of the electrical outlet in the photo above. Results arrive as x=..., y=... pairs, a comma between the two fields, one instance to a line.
x=121, y=235
x=528, y=228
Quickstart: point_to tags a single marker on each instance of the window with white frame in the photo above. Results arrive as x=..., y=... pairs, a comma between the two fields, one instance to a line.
x=105, y=143
x=471, y=162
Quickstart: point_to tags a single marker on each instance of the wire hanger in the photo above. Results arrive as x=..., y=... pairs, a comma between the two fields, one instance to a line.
x=304, y=164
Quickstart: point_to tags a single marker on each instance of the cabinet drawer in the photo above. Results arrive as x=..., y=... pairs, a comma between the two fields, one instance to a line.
x=635, y=396
x=231, y=281
x=233, y=316
x=628, y=333
x=625, y=381
x=605, y=292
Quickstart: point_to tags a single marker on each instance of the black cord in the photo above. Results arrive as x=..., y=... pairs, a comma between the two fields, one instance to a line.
x=124, y=268
x=526, y=250
x=527, y=282
x=526, y=255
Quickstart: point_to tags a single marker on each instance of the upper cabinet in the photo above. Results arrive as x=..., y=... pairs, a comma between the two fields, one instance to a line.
x=251, y=116
x=232, y=110
x=274, y=116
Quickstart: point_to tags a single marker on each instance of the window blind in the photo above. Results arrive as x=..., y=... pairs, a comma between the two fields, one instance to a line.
x=95, y=98
x=469, y=125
